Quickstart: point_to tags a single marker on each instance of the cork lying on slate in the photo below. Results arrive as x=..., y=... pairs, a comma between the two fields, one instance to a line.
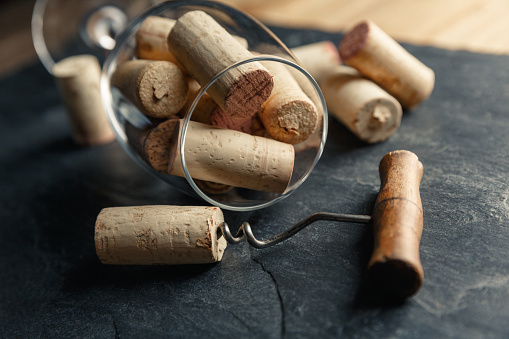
x=241, y=91
x=156, y=235
x=367, y=110
x=378, y=57
x=78, y=80
x=158, y=88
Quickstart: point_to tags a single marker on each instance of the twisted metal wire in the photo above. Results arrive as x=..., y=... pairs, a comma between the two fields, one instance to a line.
x=246, y=231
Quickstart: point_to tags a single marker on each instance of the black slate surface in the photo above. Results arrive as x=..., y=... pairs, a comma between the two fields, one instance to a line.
x=52, y=284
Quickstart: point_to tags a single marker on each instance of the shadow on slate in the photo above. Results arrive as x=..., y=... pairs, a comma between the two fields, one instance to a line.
x=52, y=284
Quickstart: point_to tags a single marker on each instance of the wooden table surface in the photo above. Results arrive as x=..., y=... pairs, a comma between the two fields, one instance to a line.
x=475, y=25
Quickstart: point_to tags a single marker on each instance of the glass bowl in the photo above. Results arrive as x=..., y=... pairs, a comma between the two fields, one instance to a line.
x=129, y=122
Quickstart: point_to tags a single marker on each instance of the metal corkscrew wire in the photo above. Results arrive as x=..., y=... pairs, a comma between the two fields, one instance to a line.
x=245, y=230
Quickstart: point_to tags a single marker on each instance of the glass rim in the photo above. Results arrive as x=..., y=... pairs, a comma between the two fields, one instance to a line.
x=37, y=28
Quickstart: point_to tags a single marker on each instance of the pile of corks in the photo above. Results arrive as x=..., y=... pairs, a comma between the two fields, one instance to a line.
x=367, y=80
x=242, y=129
x=245, y=129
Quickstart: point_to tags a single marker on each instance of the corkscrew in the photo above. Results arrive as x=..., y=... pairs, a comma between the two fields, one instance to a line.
x=193, y=235
x=246, y=232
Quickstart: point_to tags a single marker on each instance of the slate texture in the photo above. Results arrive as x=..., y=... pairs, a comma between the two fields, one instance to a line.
x=52, y=284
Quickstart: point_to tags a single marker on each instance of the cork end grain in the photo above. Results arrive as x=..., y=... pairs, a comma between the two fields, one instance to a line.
x=383, y=60
x=162, y=89
x=206, y=48
x=218, y=242
x=247, y=94
x=158, y=144
x=292, y=122
x=379, y=117
x=102, y=242
x=354, y=41
x=378, y=120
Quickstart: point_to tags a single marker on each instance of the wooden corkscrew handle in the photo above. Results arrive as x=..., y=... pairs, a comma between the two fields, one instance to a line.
x=395, y=271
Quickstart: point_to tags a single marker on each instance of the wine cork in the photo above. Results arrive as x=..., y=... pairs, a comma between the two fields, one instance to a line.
x=208, y=112
x=314, y=141
x=367, y=110
x=205, y=48
x=78, y=80
x=158, y=88
x=379, y=57
x=156, y=144
x=288, y=115
x=204, y=107
x=219, y=118
x=152, y=40
x=159, y=235
x=319, y=58
x=233, y=158
x=395, y=269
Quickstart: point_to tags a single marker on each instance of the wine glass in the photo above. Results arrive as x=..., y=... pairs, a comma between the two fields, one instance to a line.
x=99, y=32
x=265, y=48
